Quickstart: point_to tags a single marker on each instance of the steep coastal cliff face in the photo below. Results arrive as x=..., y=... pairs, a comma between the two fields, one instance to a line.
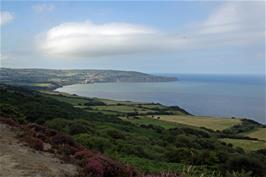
x=56, y=78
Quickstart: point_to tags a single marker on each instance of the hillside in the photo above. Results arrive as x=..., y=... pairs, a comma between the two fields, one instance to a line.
x=100, y=126
x=51, y=79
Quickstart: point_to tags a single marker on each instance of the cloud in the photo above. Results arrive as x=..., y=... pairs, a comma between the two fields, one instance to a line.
x=235, y=16
x=87, y=39
x=231, y=24
x=228, y=25
x=5, y=17
x=41, y=8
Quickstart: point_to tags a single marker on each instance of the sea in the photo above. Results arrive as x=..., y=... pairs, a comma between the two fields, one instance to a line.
x=241, y=96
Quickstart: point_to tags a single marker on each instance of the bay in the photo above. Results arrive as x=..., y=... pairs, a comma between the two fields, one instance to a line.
x=212, y=95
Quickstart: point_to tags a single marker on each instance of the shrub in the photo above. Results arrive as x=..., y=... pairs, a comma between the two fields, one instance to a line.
x=94, y=168
x=9, y=121
x=68, y=150
x=62, y=139
x=183, y=155
x=36, y=128
x=7, y=110
x=240, y=162
x=164, y=174
x=41, y=136
x=261, y=152
x=77, y=128
x=115, y=134
x=83, y=154
x=130, y=149
x=206, y=157
x=158, y=129
x=243, y=173
x=184, y=141
x=93, y=142
x=58, y=124
x=35, y=143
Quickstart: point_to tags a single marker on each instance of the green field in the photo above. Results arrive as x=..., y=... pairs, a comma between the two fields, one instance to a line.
x=76, y=101
x=123, y=109
x=259, y=133
x=115, y=102
x=152, y=106
x=42, y=84
x=248, y=145
x=200, y=121
x=142, y=120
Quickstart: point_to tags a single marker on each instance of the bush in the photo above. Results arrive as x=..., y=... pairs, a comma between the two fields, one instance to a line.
x=77, y=128
x=58, y=124
x=94, y=168
x=184, y=141
x=136, y=150
x=92, y=142
x=207, y=157
x=243, y=173
x=240, y=162
x=115, y=134
x=83, y=154
x=35, y=143
x=9, y=121
x=61, y=139
x=181, y=155
x=7, y=110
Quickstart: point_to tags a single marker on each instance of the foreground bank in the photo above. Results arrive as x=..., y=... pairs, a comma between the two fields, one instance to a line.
x=118, y=130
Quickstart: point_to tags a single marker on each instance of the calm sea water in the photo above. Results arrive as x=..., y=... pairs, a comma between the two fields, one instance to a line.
x=214, y=95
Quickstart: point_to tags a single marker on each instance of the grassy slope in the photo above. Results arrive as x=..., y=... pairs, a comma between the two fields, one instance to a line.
x=200, y=121
x=142, y=120
x=115, y=102
x=248, y=145
x=75, y=101
x=122, y=108
x=259, y=133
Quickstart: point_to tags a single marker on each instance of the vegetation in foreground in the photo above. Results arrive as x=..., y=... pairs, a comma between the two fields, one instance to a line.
x=149, y=148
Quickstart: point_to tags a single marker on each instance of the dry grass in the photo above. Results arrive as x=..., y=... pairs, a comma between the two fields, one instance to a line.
x=259, y=133
x=200, y=121
x=248, y=145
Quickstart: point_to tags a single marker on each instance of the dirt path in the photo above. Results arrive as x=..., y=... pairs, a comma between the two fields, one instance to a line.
x=17, y=160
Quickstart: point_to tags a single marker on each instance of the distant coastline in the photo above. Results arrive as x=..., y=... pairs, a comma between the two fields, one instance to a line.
x=51, y=79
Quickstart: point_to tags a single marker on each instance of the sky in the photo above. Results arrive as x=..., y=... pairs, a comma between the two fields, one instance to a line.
x=219, y=37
